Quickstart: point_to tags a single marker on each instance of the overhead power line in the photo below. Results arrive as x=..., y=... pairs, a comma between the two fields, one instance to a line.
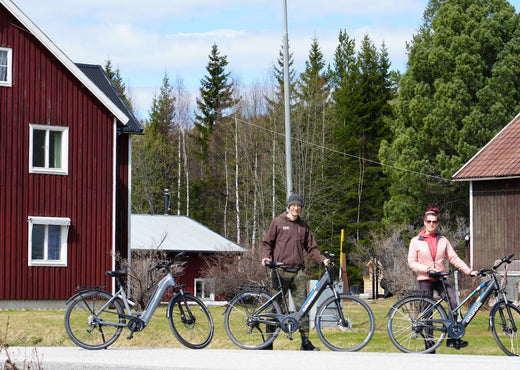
x=345, y=154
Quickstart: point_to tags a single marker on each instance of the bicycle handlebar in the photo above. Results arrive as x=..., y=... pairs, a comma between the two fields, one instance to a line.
x=166, y=264
x=483, y=272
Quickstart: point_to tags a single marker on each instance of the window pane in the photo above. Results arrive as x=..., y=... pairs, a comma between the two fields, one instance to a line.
x=3, y=65
x=39, y=148
x=199, y=288
x=55, y=149
x=54, y=242
x=38, y=238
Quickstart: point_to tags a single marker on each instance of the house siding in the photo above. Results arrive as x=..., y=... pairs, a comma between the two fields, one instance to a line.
x=496, y=211
x=46, y=93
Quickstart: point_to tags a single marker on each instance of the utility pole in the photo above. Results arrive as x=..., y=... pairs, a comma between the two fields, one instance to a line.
x=288, y=156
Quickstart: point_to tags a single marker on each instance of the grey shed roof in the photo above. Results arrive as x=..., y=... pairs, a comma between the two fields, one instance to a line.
x=180, y=233
x=97, y=75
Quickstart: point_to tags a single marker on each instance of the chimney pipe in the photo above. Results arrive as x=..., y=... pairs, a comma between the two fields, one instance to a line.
x=166, y=201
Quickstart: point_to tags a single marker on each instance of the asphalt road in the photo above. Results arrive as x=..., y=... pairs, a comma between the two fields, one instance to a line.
x=180, y=358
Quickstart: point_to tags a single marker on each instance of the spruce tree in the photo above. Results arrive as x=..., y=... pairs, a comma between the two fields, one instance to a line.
x=117, y=81
x=215, y=98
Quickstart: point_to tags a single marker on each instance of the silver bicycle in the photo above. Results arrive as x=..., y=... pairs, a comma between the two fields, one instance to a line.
x=95, y=318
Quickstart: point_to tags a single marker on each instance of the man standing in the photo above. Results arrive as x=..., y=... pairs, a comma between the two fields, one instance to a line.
x=288, y=238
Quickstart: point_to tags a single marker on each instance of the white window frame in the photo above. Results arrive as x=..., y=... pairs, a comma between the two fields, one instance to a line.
x=9, y=78
x=204, y=295
x=64, y=223
x=64, y=169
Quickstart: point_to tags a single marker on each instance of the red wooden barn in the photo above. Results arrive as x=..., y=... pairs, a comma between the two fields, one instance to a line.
x=64, y=167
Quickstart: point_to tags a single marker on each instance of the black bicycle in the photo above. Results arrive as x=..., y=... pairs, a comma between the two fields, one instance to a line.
x=253, y=319
x=94, y=318
x=418, y=323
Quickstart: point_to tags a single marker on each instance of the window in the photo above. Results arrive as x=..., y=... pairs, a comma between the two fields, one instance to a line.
x=48, y=149
x=5, y=66
x=202, y=289
x=48, y=241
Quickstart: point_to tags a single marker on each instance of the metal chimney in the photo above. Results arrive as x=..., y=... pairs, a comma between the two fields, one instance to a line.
x=166, y=201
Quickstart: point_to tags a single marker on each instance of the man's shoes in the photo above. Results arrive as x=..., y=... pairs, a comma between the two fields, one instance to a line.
x=307, y=346
x=429, y=344
x=456, y=343
x=269, y=347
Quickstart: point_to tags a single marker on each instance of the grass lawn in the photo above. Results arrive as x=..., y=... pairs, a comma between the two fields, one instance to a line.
x=46, y=328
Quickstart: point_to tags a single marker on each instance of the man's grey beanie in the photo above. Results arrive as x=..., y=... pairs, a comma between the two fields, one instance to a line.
x=295, y=198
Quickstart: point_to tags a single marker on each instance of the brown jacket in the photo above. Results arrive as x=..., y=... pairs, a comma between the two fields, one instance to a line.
x=287, y=240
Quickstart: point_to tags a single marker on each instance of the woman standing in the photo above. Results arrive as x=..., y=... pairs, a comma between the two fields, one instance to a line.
x=428, y=252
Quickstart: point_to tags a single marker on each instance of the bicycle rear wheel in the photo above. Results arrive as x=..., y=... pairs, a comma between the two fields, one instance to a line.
x=190, y=321
x=504, y=319
x=410, y=325
x=345, y=325
x=249, y=320
x=91, y=325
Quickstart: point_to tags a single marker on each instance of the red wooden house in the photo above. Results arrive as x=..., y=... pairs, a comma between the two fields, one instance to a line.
x=64, y=167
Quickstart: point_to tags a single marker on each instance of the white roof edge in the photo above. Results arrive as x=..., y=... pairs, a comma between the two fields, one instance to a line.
x=484, y=147
x=488, y=178
x=60, y=55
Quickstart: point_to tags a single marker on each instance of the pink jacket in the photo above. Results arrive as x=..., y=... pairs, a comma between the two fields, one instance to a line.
x=421, y=261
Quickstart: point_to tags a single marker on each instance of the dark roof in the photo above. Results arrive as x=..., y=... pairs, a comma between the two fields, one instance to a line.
x=98, y=76
x=500, y=158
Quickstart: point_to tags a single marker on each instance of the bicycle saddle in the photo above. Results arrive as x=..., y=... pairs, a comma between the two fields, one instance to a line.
x=437, y=275
x=273, y=265
x=115, y=273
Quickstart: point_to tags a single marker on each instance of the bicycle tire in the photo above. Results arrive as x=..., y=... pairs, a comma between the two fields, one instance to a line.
x=354, y=332
x=245, y=326
x=190, y=321
x=504, y=320
x=90, y=328
x=411, y=333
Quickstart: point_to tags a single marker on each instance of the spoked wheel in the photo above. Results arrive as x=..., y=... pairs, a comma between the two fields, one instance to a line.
x=190, y=321
x=410, y=324
x=504, y=319
x=249, y=320
x=91, y=327
x=345, y=325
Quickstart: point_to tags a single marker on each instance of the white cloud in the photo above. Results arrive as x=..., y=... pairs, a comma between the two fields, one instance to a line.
x=147, y=39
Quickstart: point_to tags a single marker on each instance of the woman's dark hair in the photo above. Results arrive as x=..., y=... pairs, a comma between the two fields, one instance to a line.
x=432, y=211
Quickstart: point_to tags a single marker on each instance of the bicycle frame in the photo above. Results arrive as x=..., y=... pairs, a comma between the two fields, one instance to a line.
x=146, y=315
x=487, y=288
x=326, y=281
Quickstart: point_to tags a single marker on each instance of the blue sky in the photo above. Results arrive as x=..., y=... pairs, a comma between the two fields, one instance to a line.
x=145, y=39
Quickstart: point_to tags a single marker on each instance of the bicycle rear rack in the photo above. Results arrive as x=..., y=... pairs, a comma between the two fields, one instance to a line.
x=242, y=288
x=415, y=293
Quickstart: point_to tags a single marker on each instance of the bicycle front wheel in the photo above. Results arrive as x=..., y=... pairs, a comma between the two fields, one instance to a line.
x=190, y=321
x=250, y=320
x=504, y=319
x=414, y=324
x=93, y=323
x=346, y=324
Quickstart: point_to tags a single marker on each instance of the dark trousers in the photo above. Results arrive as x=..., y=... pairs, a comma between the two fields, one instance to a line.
x=296, y=282
x=436, y=285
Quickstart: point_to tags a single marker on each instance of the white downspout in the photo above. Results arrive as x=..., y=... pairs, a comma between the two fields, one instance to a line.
x=114, y=189
x=471, y=231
